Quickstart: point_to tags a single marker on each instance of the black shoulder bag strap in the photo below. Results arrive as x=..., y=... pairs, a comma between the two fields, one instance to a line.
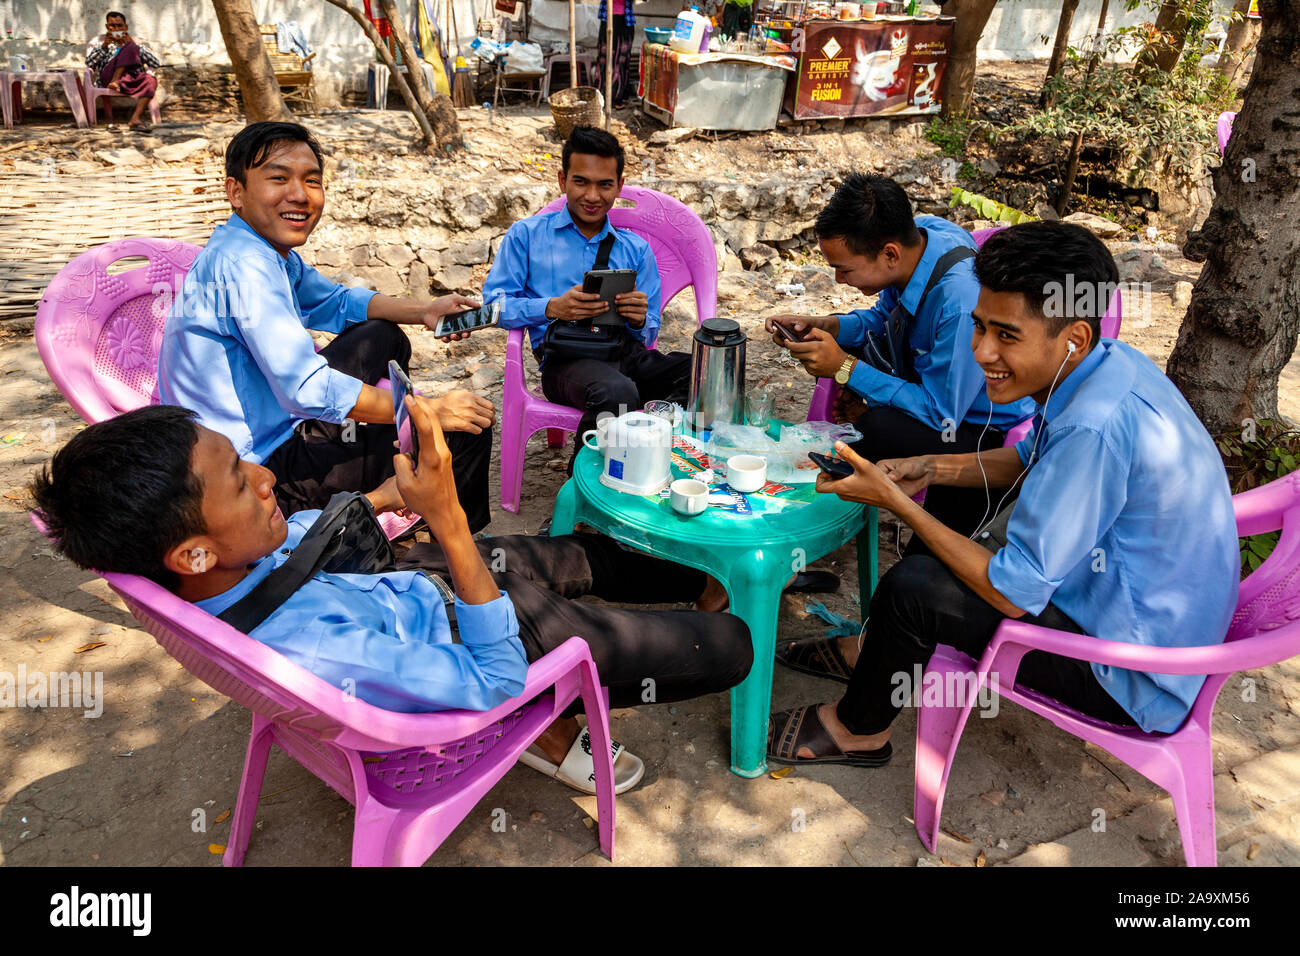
x=585, y=340
x=602, y=252
x=346, y=531
x=896, y=325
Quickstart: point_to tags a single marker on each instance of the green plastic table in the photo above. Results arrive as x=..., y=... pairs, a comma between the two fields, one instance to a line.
x=752, y=556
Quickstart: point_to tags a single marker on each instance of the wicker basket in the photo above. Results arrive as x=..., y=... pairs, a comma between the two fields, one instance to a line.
x=577, y=106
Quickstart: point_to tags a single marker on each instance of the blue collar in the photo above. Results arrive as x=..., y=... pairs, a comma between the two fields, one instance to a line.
x=565, y=218
x=219, y=602
x=1065, y=389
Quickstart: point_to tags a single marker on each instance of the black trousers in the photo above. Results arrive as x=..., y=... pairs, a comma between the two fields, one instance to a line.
x=321, y=459
x=888, y=432
x=642, y=656
x=640, y=375
x=920, y=604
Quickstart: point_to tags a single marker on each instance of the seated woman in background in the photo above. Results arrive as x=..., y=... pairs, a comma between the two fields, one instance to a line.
x=121, y=65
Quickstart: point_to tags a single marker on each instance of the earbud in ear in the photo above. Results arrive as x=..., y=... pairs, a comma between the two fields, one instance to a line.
x=1070, y=348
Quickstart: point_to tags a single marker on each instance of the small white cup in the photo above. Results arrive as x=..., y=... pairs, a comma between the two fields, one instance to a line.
x=746, y=473
x=688, y=496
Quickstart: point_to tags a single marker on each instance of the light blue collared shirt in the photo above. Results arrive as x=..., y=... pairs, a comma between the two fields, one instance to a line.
x=951, y=389
x=386, y=638
x=1125, y=523
x=236, y=348
x=544, y=256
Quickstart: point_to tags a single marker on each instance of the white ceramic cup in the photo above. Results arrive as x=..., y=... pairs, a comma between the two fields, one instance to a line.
x=746, y=473
x=688, y=496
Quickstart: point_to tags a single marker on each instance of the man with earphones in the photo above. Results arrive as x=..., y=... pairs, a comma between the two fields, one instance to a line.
x=1123, y=526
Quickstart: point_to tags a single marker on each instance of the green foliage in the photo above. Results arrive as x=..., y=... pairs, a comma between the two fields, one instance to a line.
x=1260, y=453
x=1156, y=120
x=949, y=134
x=988, y=208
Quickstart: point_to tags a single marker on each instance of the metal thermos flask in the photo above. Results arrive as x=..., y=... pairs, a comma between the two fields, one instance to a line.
x=717, y=375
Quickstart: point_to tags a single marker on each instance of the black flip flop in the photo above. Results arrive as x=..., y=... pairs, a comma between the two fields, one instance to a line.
x=814, y=582
x=818, y=656
x=789, y=730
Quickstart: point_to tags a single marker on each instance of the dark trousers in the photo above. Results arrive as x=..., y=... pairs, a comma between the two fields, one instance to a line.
x=624, y=85
x=888, y=432
x=642, y=656
x=920, y=604
x=639, y=376
x=321, y=459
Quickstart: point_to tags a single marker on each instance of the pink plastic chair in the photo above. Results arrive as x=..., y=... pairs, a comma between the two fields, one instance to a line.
x=1224, y=129
x=411, y=777
x=1264, y=631
x=683, y=249
x=92, y=93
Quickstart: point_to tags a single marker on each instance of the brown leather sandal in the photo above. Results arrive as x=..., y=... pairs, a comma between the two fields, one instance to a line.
x=818, y=656
x=802, y=727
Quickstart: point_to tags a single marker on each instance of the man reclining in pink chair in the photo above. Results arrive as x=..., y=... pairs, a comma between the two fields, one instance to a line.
x=154, y=493
x=1123, y=528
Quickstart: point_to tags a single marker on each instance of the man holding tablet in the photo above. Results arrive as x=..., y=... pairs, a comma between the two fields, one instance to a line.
x=540, y=269
x=236, y=348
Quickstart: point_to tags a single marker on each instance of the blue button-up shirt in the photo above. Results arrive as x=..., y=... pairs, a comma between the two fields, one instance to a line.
x=545, y=255
x=236, y=348
x=385, y=637
x=951, y=389
x=1125, y=523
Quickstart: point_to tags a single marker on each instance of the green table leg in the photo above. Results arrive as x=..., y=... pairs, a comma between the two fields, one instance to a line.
x=754, y=586
x=868, y=560
x=565, y=513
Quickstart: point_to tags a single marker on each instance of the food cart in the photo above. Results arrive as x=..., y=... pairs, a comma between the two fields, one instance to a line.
x=731, y=91
x=854, y=61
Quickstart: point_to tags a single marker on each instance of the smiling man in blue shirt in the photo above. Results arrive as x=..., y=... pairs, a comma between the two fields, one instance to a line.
x=1123, y=529
x=921, y=269
x=540, y=267
x=237, y=350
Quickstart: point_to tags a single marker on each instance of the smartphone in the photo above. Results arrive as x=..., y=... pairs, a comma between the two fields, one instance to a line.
x=608, y=283
x=788, y=333
x=407, y=439
x=835, y=467
x=481, y=318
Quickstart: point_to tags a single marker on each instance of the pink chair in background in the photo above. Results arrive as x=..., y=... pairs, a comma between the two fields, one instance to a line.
x=411, y=777
x=684, y=253
x=1264, y=631
x=1223, y=128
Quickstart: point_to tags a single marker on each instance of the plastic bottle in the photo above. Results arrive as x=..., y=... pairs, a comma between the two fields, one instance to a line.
x=688, y=32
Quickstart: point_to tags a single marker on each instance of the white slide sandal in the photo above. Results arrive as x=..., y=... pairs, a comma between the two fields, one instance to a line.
x=579, y=771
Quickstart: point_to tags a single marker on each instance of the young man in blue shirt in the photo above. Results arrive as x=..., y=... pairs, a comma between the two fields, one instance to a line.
x=154, y=493
x=935, y=402
x=540, y=267
x=1123, y=528
x=237, y=350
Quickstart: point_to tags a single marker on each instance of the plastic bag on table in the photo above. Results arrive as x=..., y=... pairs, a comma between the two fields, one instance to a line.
x=524, y=58
x=789, y=462
x=728, y=440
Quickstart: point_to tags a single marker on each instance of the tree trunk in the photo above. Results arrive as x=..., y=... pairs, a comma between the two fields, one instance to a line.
x=1058, y=48
x=1166, y=47
x=959, y=86
x=427, y=138
x=1076, y=144
x=1242, y=35
x=438, y=107
x=258, y=88
x=1241, y=327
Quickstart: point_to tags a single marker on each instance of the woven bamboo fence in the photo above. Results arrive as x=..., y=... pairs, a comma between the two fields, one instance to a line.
x=48, y=218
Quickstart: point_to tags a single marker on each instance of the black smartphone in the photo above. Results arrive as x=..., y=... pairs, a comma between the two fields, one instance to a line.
x=787, y=333
x=407, y=439
x=608, y=283
x=481, y=318
x=835, y=467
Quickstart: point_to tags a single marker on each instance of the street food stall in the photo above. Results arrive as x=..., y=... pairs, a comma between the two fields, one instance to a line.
x=714, y=90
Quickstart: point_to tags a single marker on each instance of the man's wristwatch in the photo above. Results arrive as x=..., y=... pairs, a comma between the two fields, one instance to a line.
x=842, y=376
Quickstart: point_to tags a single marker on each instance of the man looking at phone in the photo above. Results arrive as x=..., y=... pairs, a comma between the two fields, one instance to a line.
x=540, y=268
x=1123, y=529
x=237, y=350
x=933, y=401
x=154, y=493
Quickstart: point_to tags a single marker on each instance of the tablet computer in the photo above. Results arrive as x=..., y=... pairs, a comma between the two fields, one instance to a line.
x=607, y=283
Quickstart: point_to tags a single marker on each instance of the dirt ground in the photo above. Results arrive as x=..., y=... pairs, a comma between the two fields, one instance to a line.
x=151, y=780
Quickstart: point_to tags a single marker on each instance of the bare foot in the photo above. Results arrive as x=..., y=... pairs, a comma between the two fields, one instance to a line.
x=840, y=734
x=713, y=597
x=556, y=739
